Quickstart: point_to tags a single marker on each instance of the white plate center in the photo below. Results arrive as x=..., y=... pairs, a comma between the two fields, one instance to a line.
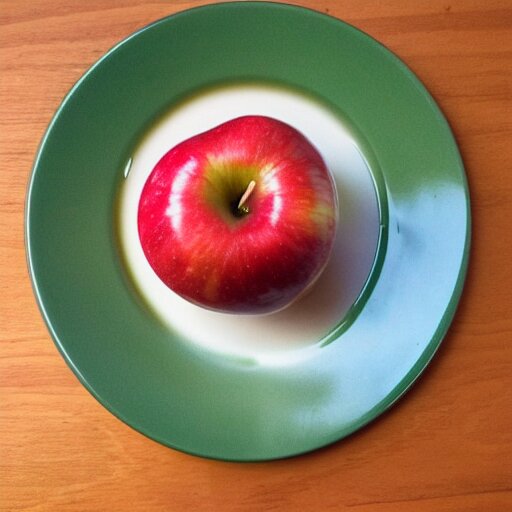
x=289, y=334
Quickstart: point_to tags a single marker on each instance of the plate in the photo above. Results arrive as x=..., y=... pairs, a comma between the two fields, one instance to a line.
x=148, y=374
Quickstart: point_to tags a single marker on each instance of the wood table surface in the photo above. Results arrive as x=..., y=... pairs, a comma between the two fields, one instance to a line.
x=446, y=446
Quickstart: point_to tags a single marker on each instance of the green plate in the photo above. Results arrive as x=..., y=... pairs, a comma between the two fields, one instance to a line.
x=171, y=390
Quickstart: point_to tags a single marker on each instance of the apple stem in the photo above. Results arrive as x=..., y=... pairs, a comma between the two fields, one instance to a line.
x=246, y=195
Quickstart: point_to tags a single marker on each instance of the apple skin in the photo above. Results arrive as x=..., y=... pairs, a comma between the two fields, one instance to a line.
x=213, y=254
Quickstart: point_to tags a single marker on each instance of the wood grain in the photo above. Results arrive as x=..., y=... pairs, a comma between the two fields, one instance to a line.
x=447, y=446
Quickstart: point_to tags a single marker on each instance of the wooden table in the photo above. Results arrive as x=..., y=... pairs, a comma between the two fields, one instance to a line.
x=446, y=446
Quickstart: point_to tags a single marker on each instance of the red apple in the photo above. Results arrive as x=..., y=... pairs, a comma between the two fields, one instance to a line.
x=241, y=218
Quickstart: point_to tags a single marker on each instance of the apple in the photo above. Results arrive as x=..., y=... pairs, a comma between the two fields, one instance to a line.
x=240, y=218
